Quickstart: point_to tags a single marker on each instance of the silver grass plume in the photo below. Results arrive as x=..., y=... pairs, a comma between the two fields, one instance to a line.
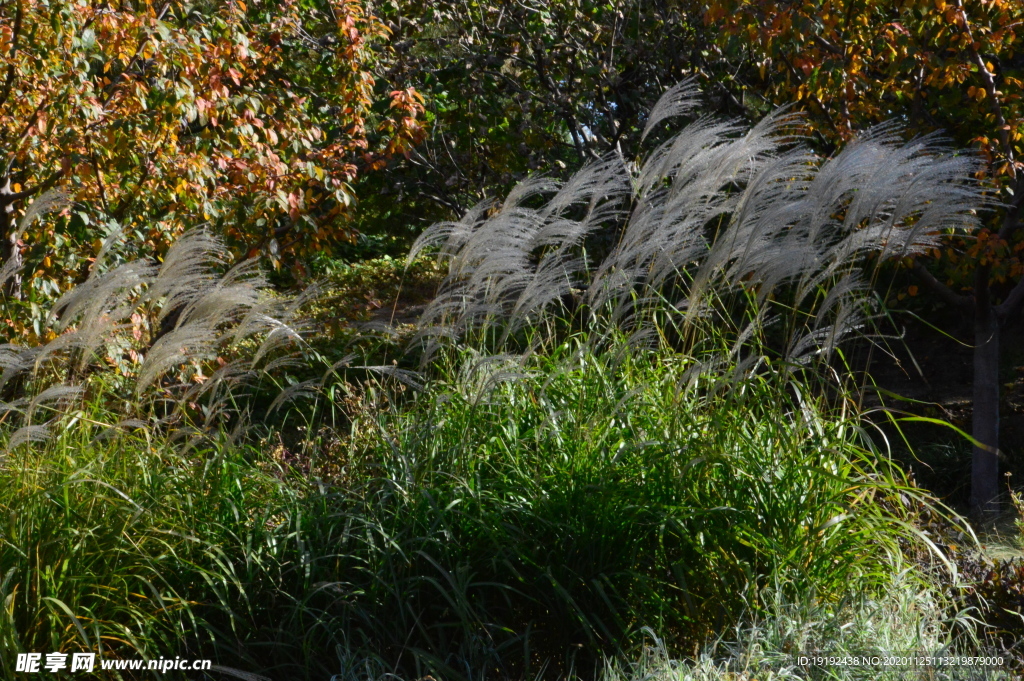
x=723, y=211
x=48, y=201
x=197, y=340
x=679, y=100
x=59, y=395
x=203, y=314
x=9, y=269
x=481, y=375
x=28, y=434
x=187, y=271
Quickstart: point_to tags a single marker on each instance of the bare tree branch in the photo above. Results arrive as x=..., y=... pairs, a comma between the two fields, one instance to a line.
x=46, y=184
x=1009, y=310
x=964, y=304
x=990, y=89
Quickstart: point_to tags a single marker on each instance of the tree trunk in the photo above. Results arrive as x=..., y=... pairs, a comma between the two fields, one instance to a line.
x=985, y=461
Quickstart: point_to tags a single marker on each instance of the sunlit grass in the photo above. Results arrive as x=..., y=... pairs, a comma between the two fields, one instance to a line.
x=121, y=546
x=903, y=627
x=511, y=519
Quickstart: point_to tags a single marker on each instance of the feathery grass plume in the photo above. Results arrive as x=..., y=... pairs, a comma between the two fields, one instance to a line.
x=480, y=375
x=294, y=392
x=197, y=340
x=521, y=261
x=188, y=270
x=105, y=248
x=59, y=395
x=450, y=236
x=715, y=213
x=679, y=100
x=28, y=434
x=50, y=200
x=15, y=406
x=97, y=308
x=98, y=294
x=403, y=376
x=15, y=360
x=230, y=297
x=216, y=392
x=122, y=426
x=278, y=320
x=278, y=335
x=9, y=269
x=163, y=325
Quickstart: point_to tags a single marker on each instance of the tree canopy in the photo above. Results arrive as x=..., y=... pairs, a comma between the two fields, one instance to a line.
x=152, y=117
x=519, y=88
x=933, y=66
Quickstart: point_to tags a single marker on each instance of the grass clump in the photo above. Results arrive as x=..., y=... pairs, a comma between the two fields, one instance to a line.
x=897, y=623
x=510, y=520
x=532, y=515
x=122, y=546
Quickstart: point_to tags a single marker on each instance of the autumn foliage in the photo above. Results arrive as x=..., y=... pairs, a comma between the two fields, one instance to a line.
x=928, y=65
x=153, y=117
x=853, y=63
x=955, y=67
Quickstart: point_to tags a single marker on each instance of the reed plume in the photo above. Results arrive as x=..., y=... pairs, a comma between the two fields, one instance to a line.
x=717, y=217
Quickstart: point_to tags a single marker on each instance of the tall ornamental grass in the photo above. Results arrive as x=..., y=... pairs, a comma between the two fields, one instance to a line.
x=523, y=516
x=121, y=546
x=510, y=520
x=740, y=228
x=612, y=435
